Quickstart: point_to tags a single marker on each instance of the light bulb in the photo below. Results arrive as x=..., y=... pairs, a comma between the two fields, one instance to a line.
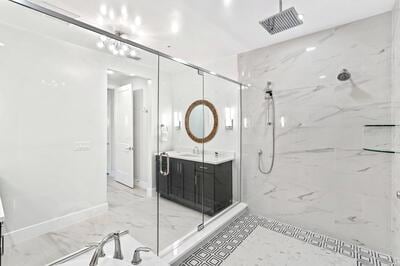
x=103, y=9
x=174, y=27
x=111, y=14
x=132, y=53
x=100, y=45
x=138, y=21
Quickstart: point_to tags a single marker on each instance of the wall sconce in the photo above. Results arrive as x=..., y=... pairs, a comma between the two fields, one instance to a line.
x=177, y=120
x=228, y=118
x=246, y=122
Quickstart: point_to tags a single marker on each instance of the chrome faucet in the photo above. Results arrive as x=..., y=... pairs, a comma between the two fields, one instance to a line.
x=99, y=249
x=196, y=150
x=136, y=255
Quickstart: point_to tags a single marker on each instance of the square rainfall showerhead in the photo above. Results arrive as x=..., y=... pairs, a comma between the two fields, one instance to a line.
x=282, y=21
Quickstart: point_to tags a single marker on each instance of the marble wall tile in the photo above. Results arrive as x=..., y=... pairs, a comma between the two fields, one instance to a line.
x=322, y=180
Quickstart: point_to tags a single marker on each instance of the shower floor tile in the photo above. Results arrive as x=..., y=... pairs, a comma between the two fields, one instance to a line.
x=254, y=240
x=265, y=247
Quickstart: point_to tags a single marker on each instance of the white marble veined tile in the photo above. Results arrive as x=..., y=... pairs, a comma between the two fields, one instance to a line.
x=322, y=179
x=128, y=209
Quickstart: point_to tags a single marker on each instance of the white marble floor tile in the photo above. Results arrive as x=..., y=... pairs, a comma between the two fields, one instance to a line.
x=128, y=209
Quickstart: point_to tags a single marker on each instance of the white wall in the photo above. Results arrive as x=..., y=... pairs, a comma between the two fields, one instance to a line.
x=396, y=132
x=323, y=180
x=53, y=97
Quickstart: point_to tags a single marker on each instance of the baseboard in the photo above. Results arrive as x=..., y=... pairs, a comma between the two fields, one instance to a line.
x=29, y=232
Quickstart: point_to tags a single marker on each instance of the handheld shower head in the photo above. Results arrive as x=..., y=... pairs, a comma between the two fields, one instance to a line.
x=268, y=90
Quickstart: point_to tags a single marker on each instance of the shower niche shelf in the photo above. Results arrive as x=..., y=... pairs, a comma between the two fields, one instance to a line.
x=379, y=138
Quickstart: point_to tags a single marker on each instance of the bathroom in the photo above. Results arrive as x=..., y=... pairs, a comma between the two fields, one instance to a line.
x=199, y=133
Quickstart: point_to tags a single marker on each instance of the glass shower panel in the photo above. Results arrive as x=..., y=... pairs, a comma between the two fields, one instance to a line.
x=179, y=154
x=54, y=184
x=221, y=170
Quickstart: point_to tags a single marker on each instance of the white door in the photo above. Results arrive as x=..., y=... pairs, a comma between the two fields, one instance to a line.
x=123, y=136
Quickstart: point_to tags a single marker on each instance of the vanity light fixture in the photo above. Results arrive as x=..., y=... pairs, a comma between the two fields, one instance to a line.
x=228, y=118
x=245, y=122
x=178, y=120
x=283, y=121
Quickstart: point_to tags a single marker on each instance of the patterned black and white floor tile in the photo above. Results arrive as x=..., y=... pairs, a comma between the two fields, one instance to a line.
x=215, y=251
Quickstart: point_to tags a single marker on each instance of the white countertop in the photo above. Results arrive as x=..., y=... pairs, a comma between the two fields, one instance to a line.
x=209, y=157
x=128, y=245
x=1, y=212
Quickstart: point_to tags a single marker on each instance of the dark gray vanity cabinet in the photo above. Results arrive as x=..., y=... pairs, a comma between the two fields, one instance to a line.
x=193, y=183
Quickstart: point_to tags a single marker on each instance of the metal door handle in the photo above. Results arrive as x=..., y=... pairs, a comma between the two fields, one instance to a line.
x=164, y=173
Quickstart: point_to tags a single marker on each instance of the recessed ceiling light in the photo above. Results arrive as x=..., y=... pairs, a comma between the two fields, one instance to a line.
x=110, y=72
x=124, y=12
x=174, y=27
x=322, y=77
x=103, y=9
x=227, y=2
x=111, y=14
x=138, y=21
x=2, y=44
x=311, y=48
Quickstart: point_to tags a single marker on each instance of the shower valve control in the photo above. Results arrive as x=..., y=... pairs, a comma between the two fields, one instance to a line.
x=398, y=194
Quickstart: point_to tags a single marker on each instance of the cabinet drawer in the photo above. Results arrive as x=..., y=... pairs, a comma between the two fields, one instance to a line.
x=203, y=167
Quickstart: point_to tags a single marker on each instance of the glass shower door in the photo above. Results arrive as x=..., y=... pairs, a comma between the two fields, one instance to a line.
x=222, y=125
x=180, y=153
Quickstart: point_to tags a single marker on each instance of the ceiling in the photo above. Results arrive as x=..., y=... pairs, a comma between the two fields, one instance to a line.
x=204, y=31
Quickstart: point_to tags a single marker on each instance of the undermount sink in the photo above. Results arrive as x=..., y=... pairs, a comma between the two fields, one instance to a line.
x=102, y=262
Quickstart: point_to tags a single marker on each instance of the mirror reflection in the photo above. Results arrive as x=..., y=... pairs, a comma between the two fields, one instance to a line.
x=201, y=121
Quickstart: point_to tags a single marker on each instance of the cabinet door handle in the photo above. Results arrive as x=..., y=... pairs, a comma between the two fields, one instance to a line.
x=203, y=167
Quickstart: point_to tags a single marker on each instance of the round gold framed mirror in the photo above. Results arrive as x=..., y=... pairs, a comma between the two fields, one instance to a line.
x=201, y=121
